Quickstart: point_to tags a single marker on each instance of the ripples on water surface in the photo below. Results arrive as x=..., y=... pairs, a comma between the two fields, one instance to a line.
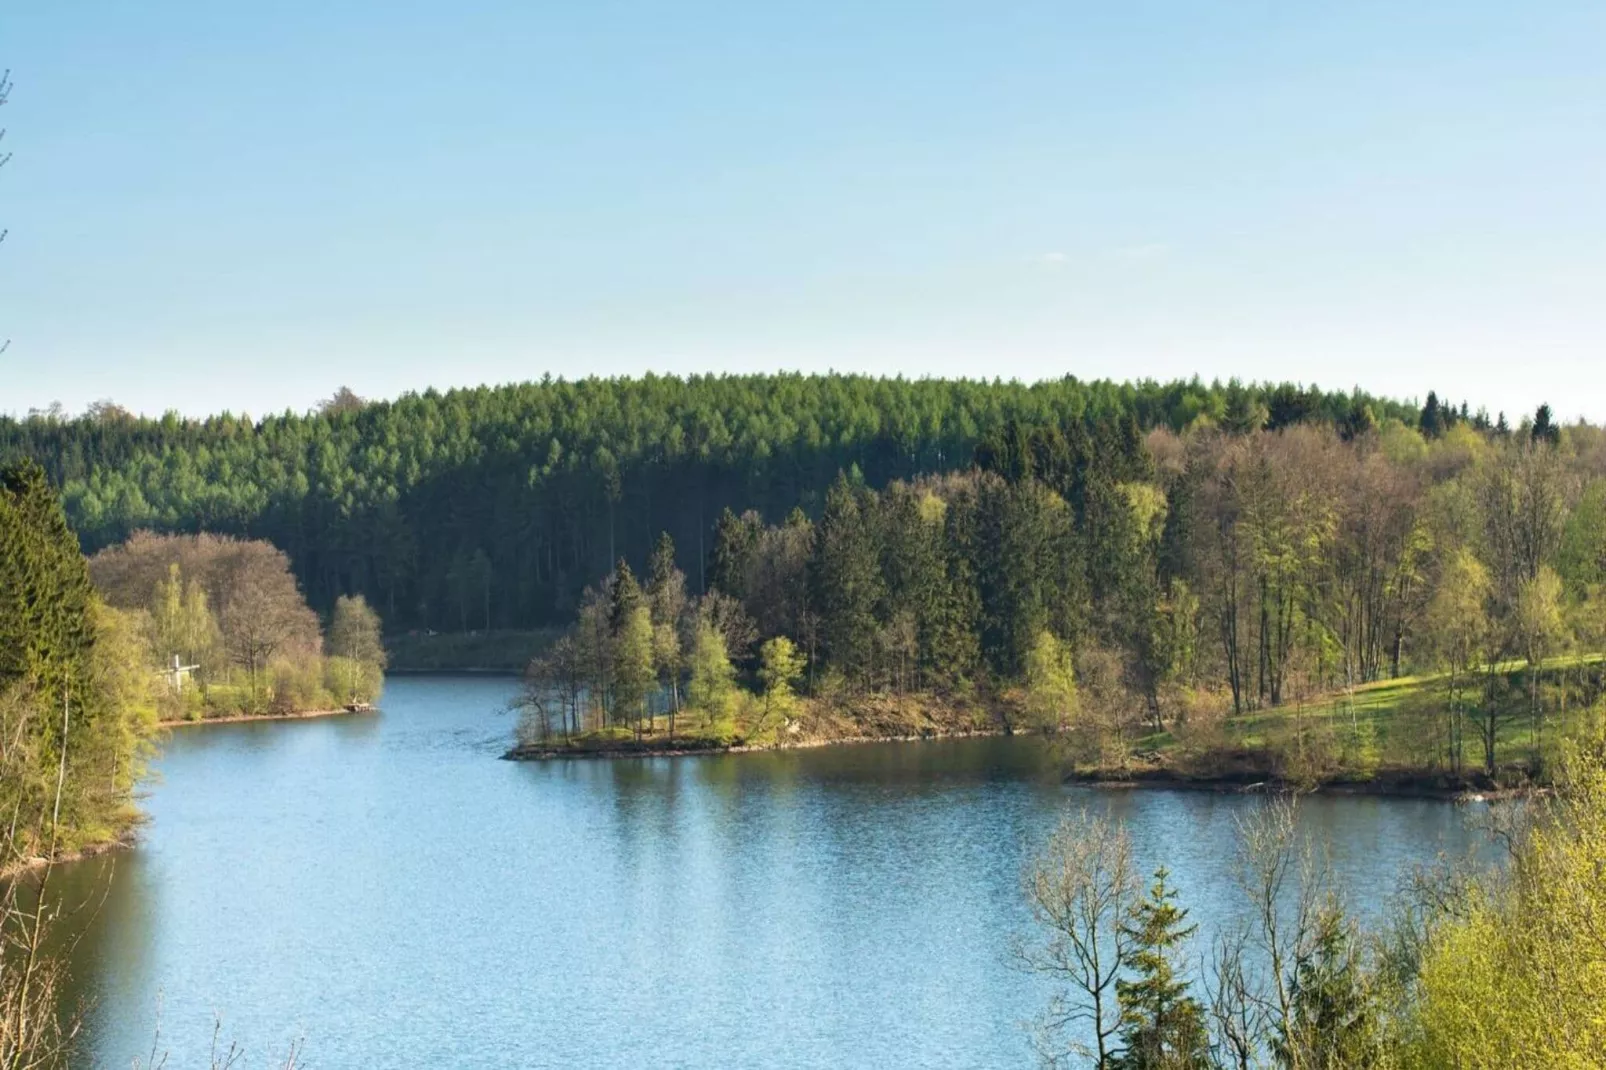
x=386, y=888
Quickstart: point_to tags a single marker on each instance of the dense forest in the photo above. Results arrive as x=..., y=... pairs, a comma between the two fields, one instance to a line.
x=496, y=507
x=1153, y=590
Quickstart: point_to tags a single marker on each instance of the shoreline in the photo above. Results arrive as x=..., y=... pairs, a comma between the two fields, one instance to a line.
x=1395, y=785
x=128, y=838
x=522, y=753
x=246, y=718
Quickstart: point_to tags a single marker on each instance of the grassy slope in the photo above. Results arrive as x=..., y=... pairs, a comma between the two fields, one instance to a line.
x=1389, y=727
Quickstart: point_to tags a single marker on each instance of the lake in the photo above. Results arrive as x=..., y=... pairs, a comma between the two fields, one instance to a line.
x=382, y=886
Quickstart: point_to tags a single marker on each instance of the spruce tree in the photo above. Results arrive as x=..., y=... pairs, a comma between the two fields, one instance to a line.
x=1431, y=422
x=847, y=580
x=1545, y=430
x=1162, y=1026
x=1335, y=1023
x=735, y=538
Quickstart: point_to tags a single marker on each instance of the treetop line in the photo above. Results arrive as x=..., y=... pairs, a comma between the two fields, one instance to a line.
x=495, y=507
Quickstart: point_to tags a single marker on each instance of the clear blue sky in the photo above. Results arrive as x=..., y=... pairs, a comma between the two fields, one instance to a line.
x=221, y=205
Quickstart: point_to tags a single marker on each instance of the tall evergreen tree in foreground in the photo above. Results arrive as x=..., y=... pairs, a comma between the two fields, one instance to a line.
x=75, y=694
x=1162, y=1026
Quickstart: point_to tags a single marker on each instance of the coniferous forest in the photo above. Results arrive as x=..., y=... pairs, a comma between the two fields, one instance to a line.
x=495, y=507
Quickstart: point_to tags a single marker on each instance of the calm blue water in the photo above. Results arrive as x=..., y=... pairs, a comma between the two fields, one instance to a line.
x=387, y=889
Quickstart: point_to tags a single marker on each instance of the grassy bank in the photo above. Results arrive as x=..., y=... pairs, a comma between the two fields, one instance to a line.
x=1391, y=737
x=488, y=651
x=1407, y=735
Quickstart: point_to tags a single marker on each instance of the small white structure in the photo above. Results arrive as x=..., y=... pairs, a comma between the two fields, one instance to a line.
x=177, y=673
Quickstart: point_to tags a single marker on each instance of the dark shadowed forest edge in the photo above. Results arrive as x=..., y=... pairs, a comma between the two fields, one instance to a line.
x=500, y=650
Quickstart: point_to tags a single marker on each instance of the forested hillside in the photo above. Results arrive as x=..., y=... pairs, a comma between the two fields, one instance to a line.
x=496, y=507
x=1144, y=591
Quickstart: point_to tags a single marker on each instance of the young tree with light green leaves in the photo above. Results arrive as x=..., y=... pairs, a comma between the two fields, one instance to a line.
x=355, y=632
x=1457, y=624
x=1540, y=625
x=713, y=682
x=1050, y=682
x=182, y=623
x=633, y=665
x=356, y=662
x=780, y=667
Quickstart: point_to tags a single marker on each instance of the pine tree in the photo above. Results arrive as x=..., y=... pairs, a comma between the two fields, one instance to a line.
x=1162, y=1026
x=735, y=538
x=1544, y=429
x=1431, y=422
x=1335, y=1023
x=624, y=596
x=847, y=580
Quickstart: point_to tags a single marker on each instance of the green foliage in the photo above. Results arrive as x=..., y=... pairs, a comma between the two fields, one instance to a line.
x=780, y=668
x=443, y=509
x=1581, y=557
x=354, y=632
x=1162, y=1025
x=76, y=699
x=1050, y=683
x=713, y=682
x=1514, y=977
